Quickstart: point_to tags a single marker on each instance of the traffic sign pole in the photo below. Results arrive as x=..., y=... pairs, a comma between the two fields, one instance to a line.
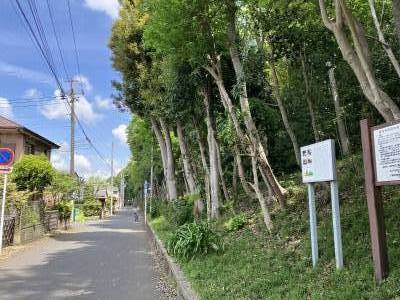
x=3, y=205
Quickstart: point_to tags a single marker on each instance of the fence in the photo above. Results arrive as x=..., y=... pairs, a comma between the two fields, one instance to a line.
x=8, y=231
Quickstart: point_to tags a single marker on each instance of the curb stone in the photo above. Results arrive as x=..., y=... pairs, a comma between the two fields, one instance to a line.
x=183, y=287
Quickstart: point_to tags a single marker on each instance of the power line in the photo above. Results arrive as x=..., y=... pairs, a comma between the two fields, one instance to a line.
x=56, y=37
x=75, y=47
x=40, y=40
x=39, y=45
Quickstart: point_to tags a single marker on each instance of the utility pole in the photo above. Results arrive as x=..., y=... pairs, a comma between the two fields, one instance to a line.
x=72, y=133
x=112, y=178
x=122, y=191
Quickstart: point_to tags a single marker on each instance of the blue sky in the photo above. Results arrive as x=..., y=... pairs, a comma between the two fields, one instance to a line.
x=26, y=86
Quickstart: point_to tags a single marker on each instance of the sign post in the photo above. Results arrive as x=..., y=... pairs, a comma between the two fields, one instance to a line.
x=381, y=145
x=6, y=161
x=318, y=162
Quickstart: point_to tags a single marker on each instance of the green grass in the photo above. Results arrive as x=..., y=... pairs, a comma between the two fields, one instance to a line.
x=260, y=265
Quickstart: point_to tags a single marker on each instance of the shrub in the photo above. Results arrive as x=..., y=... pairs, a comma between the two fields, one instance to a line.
x=180, y=211
x=91, y=207
x=80, y=217
x=33, y=173
x=194, y=239
x=235, y=223
x=64, y=210
x=156, y=208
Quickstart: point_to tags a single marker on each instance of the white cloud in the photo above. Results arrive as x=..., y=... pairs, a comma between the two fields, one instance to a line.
x=83, y=83
x=6, y=108
x=58, y=109
x=32, y=93
x=120, y=133
x=24, y=73
x=103, y=103
x=60, y=160
x=110, y=7
x=82, y=163
x=59, y=157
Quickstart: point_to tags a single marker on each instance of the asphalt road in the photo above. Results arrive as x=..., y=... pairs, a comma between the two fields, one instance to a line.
x=108, y=259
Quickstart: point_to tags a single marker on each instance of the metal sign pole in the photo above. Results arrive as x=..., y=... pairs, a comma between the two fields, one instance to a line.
x=337, y=232
x=3, y=205
x=313, y=223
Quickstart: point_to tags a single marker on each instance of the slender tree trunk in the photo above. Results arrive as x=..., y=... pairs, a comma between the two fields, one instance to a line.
x=190, y=179
x=221, y=172
x=161, y=143
x=355, y=51
x=396, y=17
x=382, y=39
x=309, y=100
x=171, y=182
x=234, y=178
x=242, y=175
x=213, y=157
x=282, y=109
x=252, y=135
x=260, y=196
x=344, y=139
x=206, y=172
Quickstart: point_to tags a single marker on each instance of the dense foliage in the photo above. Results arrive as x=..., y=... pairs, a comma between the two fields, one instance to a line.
x=194, y=239
x=33, y=173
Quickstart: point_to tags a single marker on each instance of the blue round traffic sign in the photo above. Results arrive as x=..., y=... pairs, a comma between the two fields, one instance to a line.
x=6, y=157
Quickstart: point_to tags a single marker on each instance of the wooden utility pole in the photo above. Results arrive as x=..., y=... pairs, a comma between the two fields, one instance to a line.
x=112, y=178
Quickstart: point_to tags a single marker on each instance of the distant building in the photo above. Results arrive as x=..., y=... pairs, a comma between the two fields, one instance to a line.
x=23, y=140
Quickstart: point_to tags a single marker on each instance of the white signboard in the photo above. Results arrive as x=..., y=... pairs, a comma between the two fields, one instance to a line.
x=318, y=162
x=387, y=153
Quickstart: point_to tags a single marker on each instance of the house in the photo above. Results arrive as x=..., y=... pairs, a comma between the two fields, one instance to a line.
x=23, y=140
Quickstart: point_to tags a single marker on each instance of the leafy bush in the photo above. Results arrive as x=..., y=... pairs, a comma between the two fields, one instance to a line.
x=91, y=207
x=180, y=211
x=29, y=216
x=194, y=239
x=156, y=208
x=64, y=210
x=235, y=223
x=33, y=173
x=80, y=217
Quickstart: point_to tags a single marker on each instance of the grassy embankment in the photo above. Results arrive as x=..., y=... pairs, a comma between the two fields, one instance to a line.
x=258, y=265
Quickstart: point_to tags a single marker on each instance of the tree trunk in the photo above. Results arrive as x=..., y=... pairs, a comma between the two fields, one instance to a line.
x=171, y=182
x=206, y=173
x=221, y=172
x=309, y=100
x=356, y=53
x=252, y=138
x=382, y=39
x=213, y=158
x=396, y=17
x=344, y=139
x=282, y=109
x=161, y=143
x=191, y=182
x=260, y=196
x=242, y=175
x=234, y=179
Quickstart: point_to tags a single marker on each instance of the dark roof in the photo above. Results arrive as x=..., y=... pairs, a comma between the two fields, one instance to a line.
x=8, y=124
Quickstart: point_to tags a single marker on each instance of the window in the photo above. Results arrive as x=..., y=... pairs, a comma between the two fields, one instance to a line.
x=29, y=148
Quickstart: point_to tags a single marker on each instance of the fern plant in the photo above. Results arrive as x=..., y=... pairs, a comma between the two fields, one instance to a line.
x=194, y=239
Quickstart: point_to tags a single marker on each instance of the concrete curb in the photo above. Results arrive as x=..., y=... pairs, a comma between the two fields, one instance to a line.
x=183, y=287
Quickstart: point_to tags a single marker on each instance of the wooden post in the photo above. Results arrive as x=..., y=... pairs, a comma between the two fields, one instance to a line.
x=375, y=207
